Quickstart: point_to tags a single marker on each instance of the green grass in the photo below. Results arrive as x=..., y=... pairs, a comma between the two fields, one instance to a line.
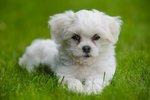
x=21, y=21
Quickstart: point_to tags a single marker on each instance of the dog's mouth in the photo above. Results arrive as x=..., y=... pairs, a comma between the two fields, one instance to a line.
x=87, y=55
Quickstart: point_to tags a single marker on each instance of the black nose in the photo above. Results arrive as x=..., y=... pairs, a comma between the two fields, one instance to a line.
x=86, y=49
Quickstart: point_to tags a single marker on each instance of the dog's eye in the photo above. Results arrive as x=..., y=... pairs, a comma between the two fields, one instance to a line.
x=76, y=37
x=95, y=37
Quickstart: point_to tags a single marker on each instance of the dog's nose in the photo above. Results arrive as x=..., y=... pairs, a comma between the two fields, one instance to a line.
x=86, y=49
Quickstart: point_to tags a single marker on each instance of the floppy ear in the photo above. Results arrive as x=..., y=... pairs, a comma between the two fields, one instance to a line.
x=115, y=27
x=58, y=24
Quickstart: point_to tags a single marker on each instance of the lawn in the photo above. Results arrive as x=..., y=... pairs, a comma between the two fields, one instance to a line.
x=21, y=21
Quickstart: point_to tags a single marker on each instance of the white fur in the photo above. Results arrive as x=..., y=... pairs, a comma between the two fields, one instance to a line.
x=65, y=56
x=40, y=52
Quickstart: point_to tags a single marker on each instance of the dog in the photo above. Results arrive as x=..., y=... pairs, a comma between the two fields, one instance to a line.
x=81, y=51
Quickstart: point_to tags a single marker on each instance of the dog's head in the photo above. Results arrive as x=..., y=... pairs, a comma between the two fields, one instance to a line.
x=84, y=33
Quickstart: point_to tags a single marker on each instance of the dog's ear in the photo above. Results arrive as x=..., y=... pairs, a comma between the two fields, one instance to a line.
x=58, y=25
x=114, y=27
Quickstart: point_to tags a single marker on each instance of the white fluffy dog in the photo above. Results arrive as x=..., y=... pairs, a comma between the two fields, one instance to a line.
x=81, y=52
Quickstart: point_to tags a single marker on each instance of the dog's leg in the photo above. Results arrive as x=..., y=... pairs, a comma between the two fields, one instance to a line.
x=73, y=84
x=93, y=86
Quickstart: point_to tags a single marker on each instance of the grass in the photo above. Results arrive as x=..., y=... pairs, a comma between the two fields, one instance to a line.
x=21, y=21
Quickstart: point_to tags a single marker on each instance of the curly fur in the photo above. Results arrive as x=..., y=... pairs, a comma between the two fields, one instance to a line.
x=65, y=56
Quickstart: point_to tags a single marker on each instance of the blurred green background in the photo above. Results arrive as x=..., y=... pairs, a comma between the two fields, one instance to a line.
x=21, y=21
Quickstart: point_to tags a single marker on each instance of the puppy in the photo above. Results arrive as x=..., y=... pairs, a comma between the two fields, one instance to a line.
x=81, y=52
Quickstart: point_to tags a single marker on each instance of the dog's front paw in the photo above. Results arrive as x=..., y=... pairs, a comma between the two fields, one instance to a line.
x=93, y=86
x=73, y=84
